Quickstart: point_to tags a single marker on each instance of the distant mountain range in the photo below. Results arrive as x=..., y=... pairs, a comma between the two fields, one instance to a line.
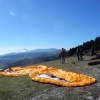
x=28, y=57
x=30, y=61
x=31, y=53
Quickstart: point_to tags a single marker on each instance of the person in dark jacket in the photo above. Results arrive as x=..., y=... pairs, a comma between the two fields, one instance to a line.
x=81, y=54
x=78, y=54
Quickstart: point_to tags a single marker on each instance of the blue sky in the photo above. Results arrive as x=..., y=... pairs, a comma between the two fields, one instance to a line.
x=34, y=24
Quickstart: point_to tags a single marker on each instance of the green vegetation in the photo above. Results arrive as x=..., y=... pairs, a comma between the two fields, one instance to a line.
x=23, y=88
x=86, y=46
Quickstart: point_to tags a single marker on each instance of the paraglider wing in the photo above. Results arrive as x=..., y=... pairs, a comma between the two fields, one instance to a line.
x=22, y=51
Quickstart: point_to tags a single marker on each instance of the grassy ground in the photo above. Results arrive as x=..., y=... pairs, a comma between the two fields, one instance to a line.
x=22, y=88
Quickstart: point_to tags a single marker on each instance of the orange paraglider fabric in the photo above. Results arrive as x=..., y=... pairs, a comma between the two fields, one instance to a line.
x=51, y=75
x=21, y=71
x=61, y=77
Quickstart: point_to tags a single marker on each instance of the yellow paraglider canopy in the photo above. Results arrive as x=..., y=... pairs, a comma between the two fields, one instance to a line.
x=51, y=75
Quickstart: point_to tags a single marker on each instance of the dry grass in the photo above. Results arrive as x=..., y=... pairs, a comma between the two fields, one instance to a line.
x=22, y=88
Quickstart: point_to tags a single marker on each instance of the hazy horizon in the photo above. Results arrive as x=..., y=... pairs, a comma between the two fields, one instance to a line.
x=23, y=50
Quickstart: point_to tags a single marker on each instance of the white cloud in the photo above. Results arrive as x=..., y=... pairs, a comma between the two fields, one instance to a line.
x=12, y=13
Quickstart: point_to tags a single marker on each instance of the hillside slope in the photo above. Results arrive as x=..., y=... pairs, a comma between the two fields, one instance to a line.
x=30, y=61
x=29, y=57
x=22, y=88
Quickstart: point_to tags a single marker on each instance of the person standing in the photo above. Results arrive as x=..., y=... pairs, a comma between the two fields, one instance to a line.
x=77, y=53
x=92, y=51
x=63, y=55
x=81, y=53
